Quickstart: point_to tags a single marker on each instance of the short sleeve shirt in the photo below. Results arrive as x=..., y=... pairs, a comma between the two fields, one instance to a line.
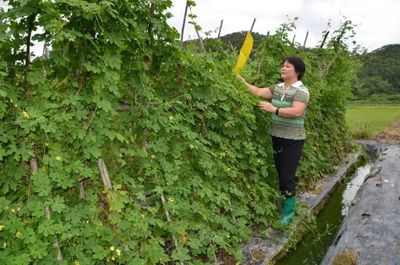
x=289, y=128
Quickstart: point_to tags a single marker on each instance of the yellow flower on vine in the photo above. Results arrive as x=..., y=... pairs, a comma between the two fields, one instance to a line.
x=25, y=114
x=58, y=158
x=18, y=234
x=112, y=248
x=118, y=251
x=1, y=227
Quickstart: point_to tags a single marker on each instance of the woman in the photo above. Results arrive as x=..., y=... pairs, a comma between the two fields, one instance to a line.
x=288, y=108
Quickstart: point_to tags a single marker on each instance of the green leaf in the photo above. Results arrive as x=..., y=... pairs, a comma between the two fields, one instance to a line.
x=57, y=204
x=154, y=252
x=180, y=254
x=99, y=252
x=117, y=199
x=41, y=183
x=35, y=208
x=37, y=77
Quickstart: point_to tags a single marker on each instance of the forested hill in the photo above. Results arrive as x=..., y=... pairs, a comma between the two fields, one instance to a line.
x=233, y=41
x=378, y=77
x=380, y=74
x=236, y=39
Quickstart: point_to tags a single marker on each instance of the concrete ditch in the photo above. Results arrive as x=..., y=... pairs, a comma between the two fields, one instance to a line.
x=265, y=249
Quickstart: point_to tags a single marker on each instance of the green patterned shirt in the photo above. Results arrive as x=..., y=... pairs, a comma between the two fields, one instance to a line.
x=289, y=128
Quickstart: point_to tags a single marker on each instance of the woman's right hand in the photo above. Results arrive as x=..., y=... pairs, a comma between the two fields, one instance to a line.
x=241, y=79
x=256, y=91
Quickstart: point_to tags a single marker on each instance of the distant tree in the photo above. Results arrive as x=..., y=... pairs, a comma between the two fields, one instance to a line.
x=380, y=73
x=373, y=84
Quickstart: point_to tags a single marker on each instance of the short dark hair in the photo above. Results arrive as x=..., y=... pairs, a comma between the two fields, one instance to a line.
x=298, y=64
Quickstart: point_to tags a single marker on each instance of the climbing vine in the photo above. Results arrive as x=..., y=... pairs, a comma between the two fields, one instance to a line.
x=119, y=146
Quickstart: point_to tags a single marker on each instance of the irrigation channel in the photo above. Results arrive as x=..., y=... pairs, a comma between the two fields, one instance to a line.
x=312, y=248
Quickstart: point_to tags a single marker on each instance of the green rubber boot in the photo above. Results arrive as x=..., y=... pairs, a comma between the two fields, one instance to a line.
x=289, y=209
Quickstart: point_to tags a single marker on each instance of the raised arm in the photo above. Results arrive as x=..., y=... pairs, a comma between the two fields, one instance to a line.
x=264, y=92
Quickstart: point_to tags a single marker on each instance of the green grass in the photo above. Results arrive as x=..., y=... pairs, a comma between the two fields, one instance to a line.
x=365, y=121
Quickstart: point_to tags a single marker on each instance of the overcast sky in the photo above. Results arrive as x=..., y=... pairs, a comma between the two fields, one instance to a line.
x=378, y=20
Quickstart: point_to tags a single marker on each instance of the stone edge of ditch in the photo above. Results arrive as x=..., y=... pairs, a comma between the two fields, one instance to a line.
x=266, y=249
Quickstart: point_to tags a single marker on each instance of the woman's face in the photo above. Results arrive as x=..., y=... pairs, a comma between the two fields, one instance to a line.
x=288, y=72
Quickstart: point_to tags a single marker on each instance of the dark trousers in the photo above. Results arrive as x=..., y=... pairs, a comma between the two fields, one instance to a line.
x=287, y=154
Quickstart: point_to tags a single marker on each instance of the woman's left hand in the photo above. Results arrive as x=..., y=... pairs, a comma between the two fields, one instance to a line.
x=267, y=106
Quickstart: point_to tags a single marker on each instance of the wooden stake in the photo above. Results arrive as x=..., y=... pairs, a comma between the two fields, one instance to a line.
x=323, y=42
x=45, y=53
x=200, y=40
x=34, y=165
x=31, y=25
x=47, y=212
x=262, y=54
x=169, y=220
x=252, y=25
x=231, y=46
x=294, y=37
x=60, y=256
x=81, y=190
x=167, y=216
x=198, y=35
x=305, y=40
x=220, y=28
x=104, y=174
x=184, y=20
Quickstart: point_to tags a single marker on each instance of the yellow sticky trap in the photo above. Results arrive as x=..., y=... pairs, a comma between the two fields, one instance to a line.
x=244, y=53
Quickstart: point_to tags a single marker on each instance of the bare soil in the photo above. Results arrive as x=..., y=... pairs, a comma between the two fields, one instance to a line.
x=391, y=134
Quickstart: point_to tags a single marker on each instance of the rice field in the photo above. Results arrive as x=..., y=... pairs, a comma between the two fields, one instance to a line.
x=365, y=121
